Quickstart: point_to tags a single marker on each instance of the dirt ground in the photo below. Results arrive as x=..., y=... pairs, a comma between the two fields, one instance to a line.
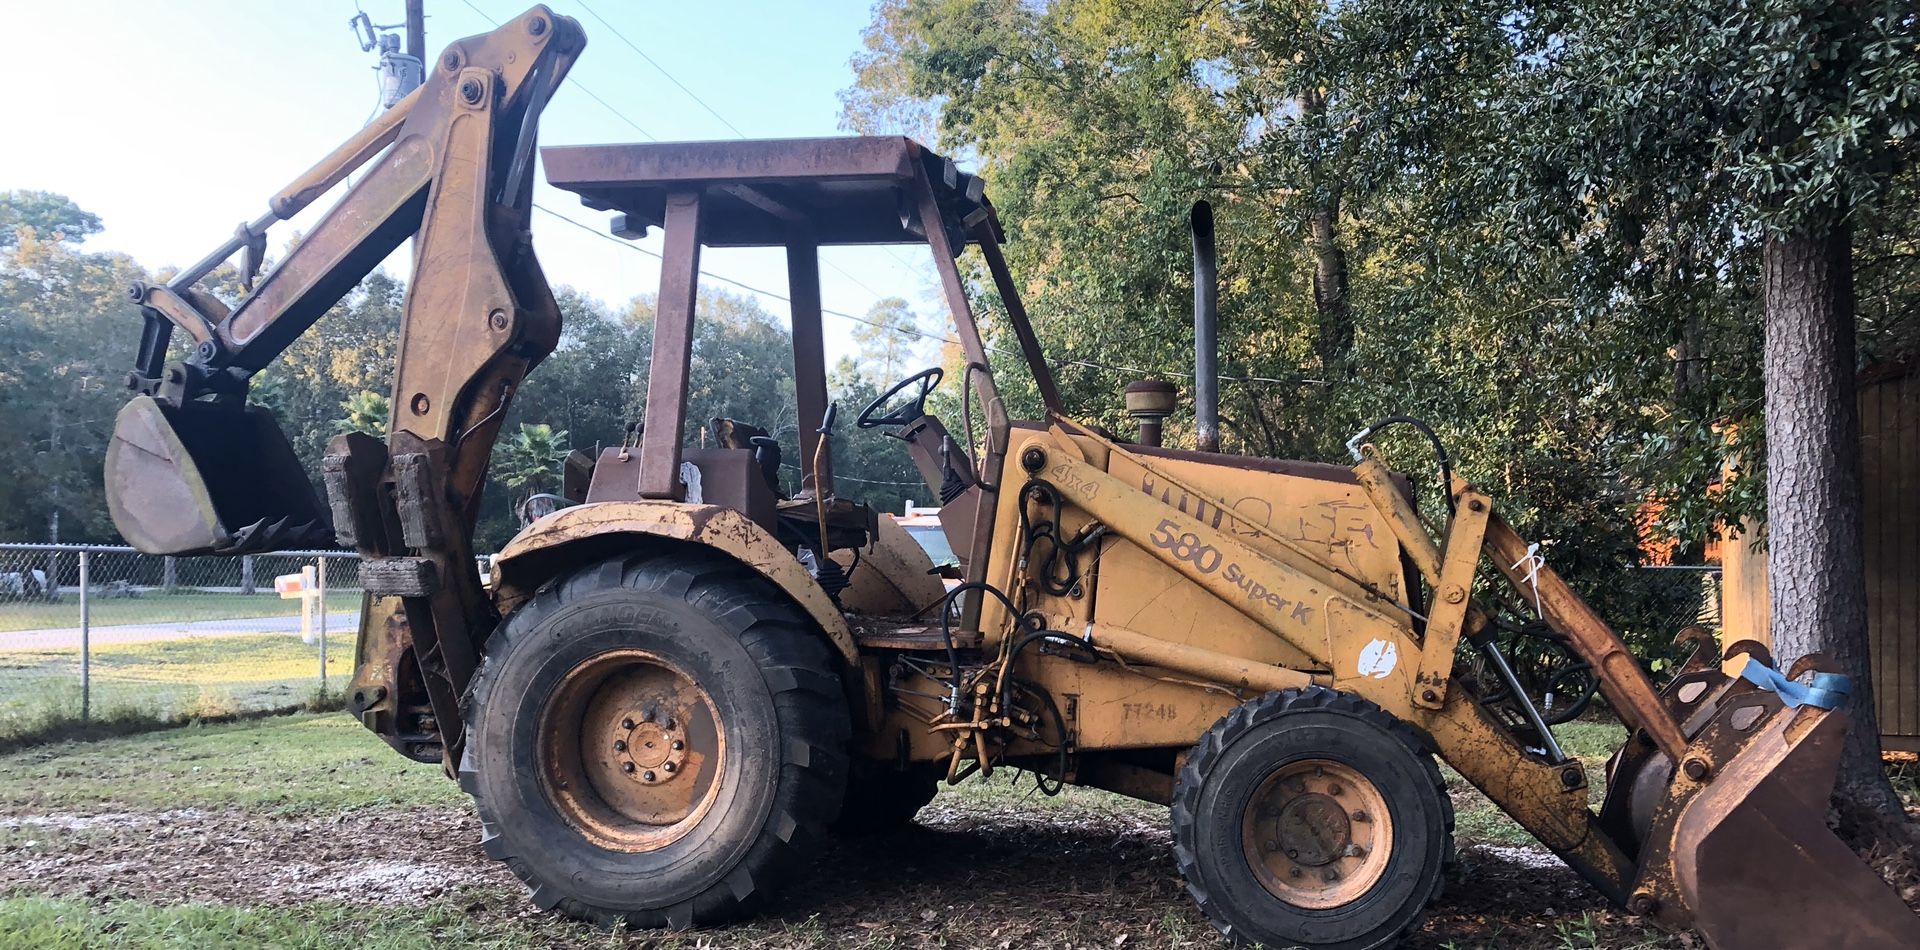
x=1045, y=877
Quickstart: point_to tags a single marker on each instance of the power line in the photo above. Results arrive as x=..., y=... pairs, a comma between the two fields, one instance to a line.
x=484, y=15
x=723, y=121
x=663, y=70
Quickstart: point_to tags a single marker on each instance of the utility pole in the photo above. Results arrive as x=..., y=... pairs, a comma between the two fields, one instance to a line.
x=400, y=72
x=416, y=30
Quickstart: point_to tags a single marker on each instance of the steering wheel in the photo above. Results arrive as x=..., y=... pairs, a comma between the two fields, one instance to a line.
x=926, y=378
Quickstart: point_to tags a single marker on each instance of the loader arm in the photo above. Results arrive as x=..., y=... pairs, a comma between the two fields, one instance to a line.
x=1712, y=813
x=193, y=470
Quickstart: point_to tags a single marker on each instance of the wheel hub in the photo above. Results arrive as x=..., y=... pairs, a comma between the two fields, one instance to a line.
x=1317, y=833
x=631, y=750
x=1314, y=830
x=651, y=752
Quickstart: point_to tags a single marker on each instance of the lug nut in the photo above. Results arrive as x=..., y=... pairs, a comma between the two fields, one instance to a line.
x=1335, y=789
x=1294, y=873
x=1293, y=853
x=628, y=767
x=537, y=25
x=619, y=745
x=1361, y=816
x=626, y=724
x=678, y=745
x=471, y=92
x=648, y=776
x=1696, y=769
x=669, y=766
x=1330, y=875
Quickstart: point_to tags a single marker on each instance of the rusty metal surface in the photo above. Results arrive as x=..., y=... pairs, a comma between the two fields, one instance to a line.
x=1745, y=811
x=809, y=359
x=631, y=751
x=1317, y=833
x=844, y=190
x=1625, y=685
x=666, y=412
x=894, y=577
x=546, y=548
x=985, y=235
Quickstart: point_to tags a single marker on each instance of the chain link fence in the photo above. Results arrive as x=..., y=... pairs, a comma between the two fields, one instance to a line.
x=96, y=633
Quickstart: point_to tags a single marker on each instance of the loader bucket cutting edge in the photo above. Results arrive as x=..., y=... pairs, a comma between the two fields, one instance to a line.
x=208, y=479
x=1753, y=861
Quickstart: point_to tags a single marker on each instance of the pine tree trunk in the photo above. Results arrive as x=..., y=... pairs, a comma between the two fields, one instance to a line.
x=1815, y=568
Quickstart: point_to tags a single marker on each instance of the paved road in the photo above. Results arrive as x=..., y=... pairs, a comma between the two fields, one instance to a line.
x=69, y=637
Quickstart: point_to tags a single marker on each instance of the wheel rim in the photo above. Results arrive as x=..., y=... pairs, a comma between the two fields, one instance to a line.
x=630, y=751
x=1317, y=834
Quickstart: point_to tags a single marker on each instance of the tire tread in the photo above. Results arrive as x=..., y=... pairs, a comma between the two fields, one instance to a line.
x=812, y=711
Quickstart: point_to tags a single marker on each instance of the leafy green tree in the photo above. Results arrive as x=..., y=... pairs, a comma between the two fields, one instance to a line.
x=1557, y=233
x=367, y=412
x=528, y=462
x=889, y=340
x=47, y=216
x=68, y=334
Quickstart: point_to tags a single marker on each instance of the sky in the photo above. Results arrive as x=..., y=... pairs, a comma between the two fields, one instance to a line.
x=176, y=121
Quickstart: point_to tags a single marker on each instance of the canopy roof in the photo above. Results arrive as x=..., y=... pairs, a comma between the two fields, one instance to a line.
x=760, y=192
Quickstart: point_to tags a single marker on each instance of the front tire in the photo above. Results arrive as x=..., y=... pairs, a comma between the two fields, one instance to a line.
x=1312, y=818
x=656, y=740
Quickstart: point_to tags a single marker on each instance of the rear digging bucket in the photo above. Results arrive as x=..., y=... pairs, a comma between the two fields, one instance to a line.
x=209, y=479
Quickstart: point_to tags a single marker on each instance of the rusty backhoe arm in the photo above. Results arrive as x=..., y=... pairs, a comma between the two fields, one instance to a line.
x=192, y=469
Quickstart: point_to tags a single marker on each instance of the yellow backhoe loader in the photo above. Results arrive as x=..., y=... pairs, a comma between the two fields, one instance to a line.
x=674, y=686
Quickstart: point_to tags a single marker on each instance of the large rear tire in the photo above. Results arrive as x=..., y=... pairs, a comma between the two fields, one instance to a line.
x=656, y=740
x=1312, y=818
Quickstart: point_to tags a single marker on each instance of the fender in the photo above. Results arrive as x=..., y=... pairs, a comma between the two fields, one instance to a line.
x=572, y=536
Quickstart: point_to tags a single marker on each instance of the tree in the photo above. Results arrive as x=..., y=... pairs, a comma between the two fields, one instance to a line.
x=888, y=340
x=367, y=412
x=1563, y=229
x=528, y=462
x=69, y=336
x=48, y=216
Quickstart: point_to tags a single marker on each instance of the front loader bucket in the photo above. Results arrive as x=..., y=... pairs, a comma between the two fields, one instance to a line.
x=209, y=479
x=1740, y=848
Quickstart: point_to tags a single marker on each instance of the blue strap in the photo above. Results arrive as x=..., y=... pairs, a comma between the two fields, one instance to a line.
x=1828, y=690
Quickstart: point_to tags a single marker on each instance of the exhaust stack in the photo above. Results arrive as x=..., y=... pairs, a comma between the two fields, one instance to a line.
x=1206, y=327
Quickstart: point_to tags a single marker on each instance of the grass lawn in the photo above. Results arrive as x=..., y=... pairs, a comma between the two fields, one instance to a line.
x=284, y=765
x=152, y=607
x=293, y=831
x=198, y=676
x=60, y=924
